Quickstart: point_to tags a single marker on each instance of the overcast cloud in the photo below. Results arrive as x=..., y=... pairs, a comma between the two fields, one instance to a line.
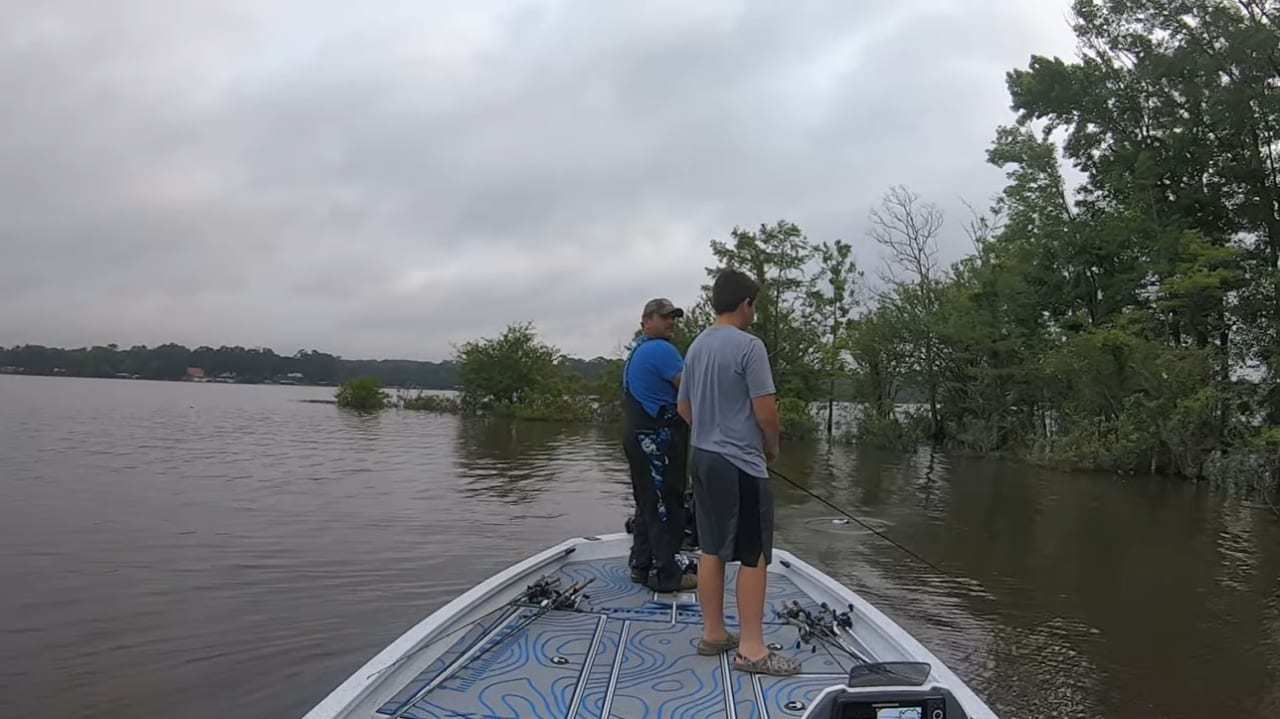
x=385, y=180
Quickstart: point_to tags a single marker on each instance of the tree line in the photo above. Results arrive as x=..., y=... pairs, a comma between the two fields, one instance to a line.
x=250, y=365
x=1131, y=322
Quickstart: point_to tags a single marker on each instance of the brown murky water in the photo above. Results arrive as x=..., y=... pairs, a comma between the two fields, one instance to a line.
x=213, y=551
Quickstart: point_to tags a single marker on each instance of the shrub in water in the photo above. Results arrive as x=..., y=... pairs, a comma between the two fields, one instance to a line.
x=364, y=394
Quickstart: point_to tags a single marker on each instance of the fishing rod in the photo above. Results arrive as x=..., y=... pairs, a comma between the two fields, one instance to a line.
x=864, y=525
x=543, y=595
x=822, y=625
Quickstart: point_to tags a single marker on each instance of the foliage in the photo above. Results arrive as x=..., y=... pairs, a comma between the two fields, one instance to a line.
x=425, y=402
x=876, y=343
x=907, y=228
x=830, y=300
x=606, y=391
x=891, y=432
x=363, y=394
x=518, y=375
x=507, y=370
x=555, y=406
x=1265, y=446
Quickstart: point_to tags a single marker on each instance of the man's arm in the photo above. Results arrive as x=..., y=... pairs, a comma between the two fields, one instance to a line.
x=671, y=364
x=765, y=409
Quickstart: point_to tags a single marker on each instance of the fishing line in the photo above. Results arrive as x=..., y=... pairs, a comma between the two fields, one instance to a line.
x=864, y=525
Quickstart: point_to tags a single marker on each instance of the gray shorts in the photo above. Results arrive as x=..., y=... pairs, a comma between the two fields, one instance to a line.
x=734, y=510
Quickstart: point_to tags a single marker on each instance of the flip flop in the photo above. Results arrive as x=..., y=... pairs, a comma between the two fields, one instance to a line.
x=710, y=649
x=772, y=663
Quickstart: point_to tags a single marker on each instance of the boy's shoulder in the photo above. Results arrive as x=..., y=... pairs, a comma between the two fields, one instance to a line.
x=725, y=335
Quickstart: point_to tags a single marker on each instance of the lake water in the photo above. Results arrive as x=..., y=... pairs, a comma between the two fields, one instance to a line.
x=223, y=550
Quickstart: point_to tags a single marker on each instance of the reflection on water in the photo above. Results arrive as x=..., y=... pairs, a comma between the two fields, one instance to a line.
x=516, y=461
x=1070, y=594
x=199, y=550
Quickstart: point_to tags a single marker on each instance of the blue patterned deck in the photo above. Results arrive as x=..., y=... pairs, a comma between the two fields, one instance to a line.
x=628, y=654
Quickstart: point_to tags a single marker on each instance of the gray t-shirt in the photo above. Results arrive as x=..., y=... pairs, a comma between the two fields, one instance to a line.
x=724, y=370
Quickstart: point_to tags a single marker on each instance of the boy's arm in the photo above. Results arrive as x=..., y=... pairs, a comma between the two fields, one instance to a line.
x=764, y=398
x=765, y=408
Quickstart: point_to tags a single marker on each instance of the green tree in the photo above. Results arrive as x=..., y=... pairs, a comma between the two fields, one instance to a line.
x=877, y=346
x=508, y=371
x=1174, y=242
x=1172, y=113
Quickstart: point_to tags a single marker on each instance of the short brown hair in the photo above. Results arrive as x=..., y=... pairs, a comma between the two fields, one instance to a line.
x=731, y=289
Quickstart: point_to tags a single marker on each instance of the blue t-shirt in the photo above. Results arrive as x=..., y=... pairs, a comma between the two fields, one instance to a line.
x=651, y=372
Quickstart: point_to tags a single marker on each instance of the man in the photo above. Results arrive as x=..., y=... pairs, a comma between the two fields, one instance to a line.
x=655, y=441
x=727, y=395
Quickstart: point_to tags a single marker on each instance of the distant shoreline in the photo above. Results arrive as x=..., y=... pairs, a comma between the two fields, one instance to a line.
x=5, y=372
x=242, y=365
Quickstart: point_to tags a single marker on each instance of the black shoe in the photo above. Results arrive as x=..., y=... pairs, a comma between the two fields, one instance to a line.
x=686, y=583
x=639, y=576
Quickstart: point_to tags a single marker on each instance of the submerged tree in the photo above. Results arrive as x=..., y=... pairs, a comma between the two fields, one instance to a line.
x=507, y=370
x=907, y=228
x=831, y=300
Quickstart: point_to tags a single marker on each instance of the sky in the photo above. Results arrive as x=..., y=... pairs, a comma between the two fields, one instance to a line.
x=392, y=179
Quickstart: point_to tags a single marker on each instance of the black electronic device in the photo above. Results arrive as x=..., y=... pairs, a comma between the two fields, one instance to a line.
x=864, y=697
x=922, y=704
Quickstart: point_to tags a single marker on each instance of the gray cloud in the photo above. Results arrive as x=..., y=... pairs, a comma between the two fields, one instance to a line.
x=386, y=184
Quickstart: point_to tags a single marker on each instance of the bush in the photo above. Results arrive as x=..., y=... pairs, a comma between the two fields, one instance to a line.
x=891, y=432
x=509, y=370
x=363, y=394
x=1251, y=468
x=607, y=391
x=424, y=402
x=554, y=407
x=1120, y=445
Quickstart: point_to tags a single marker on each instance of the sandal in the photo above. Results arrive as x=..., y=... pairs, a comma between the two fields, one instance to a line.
x=710, y=649
x=772, y=663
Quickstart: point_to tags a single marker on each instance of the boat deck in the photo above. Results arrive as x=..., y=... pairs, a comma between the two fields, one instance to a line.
x=627, y=652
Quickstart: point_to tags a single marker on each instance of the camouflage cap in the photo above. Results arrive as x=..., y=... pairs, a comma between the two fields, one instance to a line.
x=661, y=306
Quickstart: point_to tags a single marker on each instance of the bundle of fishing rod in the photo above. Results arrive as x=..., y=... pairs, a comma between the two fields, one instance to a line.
x=546, y=594
x=821, y=626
